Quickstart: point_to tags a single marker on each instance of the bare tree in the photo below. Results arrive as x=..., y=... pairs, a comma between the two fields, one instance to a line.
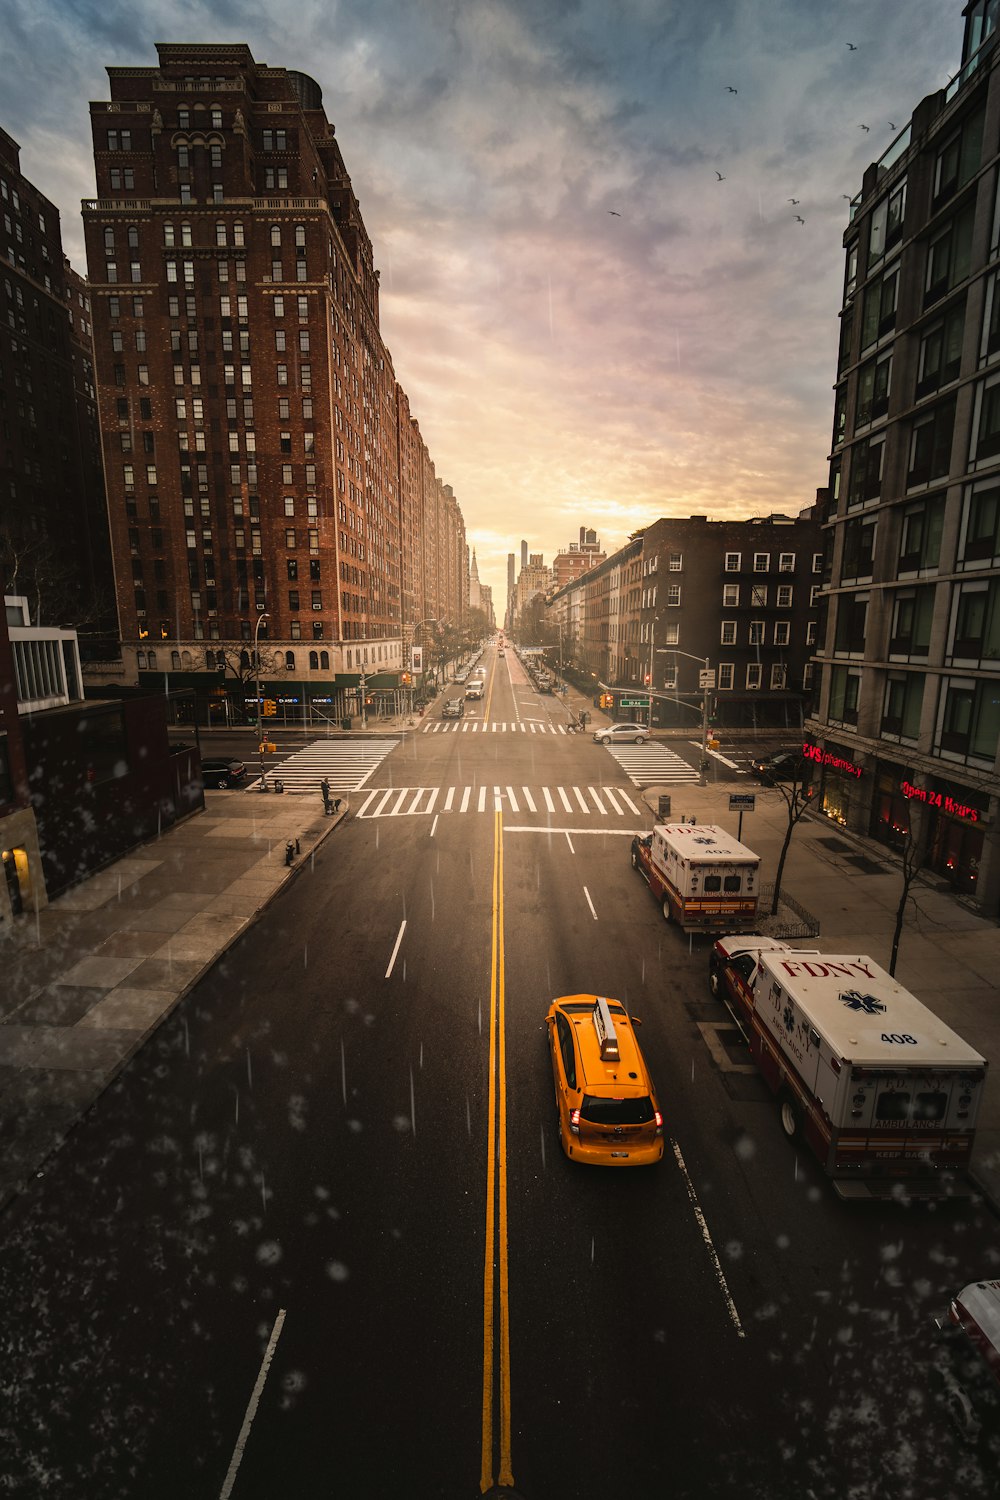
x=797, y=794
x=913, y=857
x=34, y=566
x=238, y=658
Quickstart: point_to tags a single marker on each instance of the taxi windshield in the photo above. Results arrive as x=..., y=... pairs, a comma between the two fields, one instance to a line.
x=617, y=1111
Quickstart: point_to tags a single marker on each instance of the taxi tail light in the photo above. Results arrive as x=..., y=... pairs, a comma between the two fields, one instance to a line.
x=574, y=1121
x=659, y=1121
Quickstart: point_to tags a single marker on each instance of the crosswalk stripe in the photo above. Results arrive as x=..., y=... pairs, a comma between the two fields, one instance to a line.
x=600, y=805
x=580, y=798
x=548, y=799
x=395, y=802
x=529, y=799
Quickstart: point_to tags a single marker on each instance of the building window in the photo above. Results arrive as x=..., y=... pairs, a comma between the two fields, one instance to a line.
x=940, y=355
x=784, y=599
x=867, y=459
x=904, y=697
x=859, y=550
x=930, y=444
x=674, y=594
x=781, y=632
x=885, y=227
x=958, y=159
x=968, y=720
x=980, y=535
x=732, y=562
x=730, y=595
x=728, y=637
x=845, y=695
x=725, y=676
x=874, y=380
x=920, y=536
x=975, y=626
x=851, y=271
x=852, y=618
x=779, y=676
x=754, y=672
x=948, y=256
x=758, y=596
x=761, y=562
x=878, y=308
x=672, y=633
x=986, y=421
x=676, y=562
x=756, y=632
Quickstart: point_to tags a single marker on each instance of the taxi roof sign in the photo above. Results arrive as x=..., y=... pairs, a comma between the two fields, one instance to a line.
x=607, y=1036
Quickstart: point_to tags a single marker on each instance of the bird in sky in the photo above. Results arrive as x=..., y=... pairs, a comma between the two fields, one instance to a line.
x=800, y=219
x=864, y=127
x=730, y=89
x=794, y=200
x=851, y=46
x=615, y=212
x=720, y=176
x=847, y=196
x=891, y=125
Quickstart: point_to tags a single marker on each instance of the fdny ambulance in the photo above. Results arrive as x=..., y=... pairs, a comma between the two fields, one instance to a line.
x=884, y=1094
x=704, y=878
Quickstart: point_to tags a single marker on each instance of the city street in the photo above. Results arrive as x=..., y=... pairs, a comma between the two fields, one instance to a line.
x=320, y=1237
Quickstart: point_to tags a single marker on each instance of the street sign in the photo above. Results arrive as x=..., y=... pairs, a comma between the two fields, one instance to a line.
x=633, y=703
x=742, y=801
x=706, y=679
x=416, y=659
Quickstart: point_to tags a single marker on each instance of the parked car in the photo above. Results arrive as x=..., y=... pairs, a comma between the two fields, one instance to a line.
x=217, y=775
x=781, y=765
x=622, y=734
x=454, y=708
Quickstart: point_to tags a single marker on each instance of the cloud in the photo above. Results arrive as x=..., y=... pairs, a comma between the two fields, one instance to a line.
x=567, y=367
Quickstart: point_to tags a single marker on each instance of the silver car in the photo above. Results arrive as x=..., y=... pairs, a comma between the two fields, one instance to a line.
x=622, y=734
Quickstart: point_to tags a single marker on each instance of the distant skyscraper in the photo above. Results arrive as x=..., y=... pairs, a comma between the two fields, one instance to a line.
x=524, y=554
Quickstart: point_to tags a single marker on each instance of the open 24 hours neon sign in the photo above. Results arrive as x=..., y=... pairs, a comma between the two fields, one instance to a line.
x=939, y=799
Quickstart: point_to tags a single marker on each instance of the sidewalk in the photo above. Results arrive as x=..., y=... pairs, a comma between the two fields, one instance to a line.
x=948, y=955
x=88, y=980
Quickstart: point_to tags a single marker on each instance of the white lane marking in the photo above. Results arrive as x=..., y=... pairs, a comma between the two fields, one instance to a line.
x=626, y=798
x=602, y=832
x=581, y=799
x=434, y=825
x=399, y=802
x=251, y=1411
x=381, y=807
x=590, y=903
x=600, y=805
x=529, y=799
x=513, y=800
x=569, y=841
x=465, y=799
x=449, y=799
x=734, y=765
x=482, y=799
x=706, y=1236
x=399, y=939
x=416, y=800
x=611, y=798
x=567, y=804
x=433, y=798
x=550, y=805
x=361, y=809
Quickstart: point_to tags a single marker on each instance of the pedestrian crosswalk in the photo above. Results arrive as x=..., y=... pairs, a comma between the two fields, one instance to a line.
x=492, y=726
x=650, y=764
x=581, y=802
x=346, y=764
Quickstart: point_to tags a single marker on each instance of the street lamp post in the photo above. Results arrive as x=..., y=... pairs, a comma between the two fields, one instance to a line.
x=430, y=620
x=260, y=731
x=706, y=676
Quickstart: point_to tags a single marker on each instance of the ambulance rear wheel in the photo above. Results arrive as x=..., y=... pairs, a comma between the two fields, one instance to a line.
x=668, y=915
x=791, y=1120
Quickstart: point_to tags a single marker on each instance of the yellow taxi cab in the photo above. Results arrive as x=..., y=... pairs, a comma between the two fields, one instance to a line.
x=608, y=1114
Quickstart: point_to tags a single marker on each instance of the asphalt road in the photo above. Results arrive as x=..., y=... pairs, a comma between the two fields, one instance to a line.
x=320, y=1240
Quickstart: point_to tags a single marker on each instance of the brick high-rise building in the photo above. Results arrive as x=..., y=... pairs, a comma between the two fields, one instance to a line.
x=261, y=455
x=54, y=544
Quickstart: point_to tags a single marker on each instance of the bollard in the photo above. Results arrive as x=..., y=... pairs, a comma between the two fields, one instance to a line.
x=289, y=852
x=298, y=847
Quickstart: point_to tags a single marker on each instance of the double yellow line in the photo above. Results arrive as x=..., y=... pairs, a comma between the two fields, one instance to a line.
x=495, y=1279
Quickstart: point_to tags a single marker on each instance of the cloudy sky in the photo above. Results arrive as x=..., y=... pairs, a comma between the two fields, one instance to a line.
x=591, y=327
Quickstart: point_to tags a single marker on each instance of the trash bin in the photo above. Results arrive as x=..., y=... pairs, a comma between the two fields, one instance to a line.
x=345, y=723
x=663, y=809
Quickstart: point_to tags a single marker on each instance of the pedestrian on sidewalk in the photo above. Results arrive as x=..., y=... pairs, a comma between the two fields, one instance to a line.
x=324, y=787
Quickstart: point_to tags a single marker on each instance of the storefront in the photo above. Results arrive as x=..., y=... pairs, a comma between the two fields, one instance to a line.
x=840, y=791
x=956, y=834
x=890, y=815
